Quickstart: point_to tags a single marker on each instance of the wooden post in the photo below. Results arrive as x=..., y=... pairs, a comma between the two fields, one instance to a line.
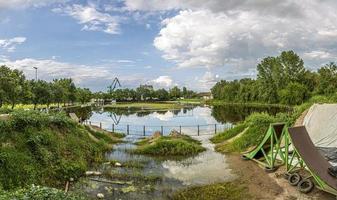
x=198, y=130
x=180, y=130
x=113, y=128
x=127, y=129
x=100, y=125
x=144, y=130
x=215, y=128
x=162, y=130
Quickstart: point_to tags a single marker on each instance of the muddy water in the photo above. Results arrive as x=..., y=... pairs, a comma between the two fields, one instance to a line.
x=146, y=177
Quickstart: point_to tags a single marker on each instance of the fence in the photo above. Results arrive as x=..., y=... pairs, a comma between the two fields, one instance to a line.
x=147, y=130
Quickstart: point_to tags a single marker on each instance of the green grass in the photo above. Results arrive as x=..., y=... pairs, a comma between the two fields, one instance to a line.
x=44, y=149
x=257, y=123
x=39, y=193
x=220, y=137
x=218, y=191
x=111, y=138
x=169, y=146
x=136, y=177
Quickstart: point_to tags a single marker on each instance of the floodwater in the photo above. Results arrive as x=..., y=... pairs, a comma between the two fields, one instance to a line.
x=147, y=177
x=157, y=178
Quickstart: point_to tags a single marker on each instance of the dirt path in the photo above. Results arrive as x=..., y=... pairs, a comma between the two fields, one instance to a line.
x=262, y=185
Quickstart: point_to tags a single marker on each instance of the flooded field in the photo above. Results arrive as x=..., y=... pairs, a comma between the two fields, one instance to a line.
x=127, y=176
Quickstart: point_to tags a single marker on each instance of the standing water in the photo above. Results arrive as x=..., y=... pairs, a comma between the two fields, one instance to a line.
x=148, y=177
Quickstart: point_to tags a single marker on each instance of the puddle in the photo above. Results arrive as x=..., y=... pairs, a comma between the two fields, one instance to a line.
x=146, y=177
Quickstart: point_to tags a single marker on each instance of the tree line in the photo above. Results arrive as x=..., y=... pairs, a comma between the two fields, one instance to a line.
x=146, y=93
x=15, y=88
x=281, y=79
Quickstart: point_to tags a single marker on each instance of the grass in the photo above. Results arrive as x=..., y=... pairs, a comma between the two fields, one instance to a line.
x=169, y=146
x=146, y=105
x=39, y=193
x=217, y=191
x=220, y=137
x=45, y=149
x=257, y=123
x=137, y=177
x=111, y=138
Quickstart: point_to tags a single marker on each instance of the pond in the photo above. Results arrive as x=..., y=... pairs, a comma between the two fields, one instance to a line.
x=147, y=177
x=196, y=120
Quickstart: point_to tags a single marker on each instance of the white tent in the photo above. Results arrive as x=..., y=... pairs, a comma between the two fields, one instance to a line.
x=321, y=124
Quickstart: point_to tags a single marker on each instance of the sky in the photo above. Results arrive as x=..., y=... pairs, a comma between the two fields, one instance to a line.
x=166, y=43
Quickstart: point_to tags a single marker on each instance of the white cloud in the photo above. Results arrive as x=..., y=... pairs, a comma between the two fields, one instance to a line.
x=125, y=61
x=162, y=81
x=317, y=55
x=10, y=44
x=26, y=3
x=208, y=80
x=91, y=18
x=236, y=34
x=51, y=69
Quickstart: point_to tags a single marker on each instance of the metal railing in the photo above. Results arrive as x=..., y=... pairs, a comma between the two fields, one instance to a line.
x=147, y=130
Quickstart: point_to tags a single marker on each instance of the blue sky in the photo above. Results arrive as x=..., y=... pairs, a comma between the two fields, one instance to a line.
x=189, y=43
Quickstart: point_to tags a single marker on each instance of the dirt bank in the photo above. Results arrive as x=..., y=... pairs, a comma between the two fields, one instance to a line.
x=262, y=185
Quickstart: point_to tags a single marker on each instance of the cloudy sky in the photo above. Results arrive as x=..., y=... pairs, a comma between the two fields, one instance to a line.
x=189, y=43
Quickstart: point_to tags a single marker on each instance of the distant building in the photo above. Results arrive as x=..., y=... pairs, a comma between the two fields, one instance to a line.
x=205, y=95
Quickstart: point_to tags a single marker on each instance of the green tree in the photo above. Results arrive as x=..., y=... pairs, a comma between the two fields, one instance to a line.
x=175, y=92
x=294, y=93
x=327, y=79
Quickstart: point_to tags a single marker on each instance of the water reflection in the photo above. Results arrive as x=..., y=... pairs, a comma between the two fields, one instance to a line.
x=186, y=116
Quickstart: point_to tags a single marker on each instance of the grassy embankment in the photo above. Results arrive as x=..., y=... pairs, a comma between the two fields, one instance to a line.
x=256, y=125
x=179, y=145
x=45, y=149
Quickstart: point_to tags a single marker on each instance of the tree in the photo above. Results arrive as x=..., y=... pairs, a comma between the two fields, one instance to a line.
x=83, y=95
x=11, y=85
x=294, y=93
x=162, y=95
x=42, y=93
x=327, y=79
x=175, y=92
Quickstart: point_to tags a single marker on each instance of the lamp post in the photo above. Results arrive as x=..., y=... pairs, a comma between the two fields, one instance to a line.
x=35, y=73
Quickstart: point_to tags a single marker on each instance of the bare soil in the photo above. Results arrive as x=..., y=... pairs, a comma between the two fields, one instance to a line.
x=263, y=185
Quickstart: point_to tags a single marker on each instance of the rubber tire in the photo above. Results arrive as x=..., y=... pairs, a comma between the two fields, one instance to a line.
x=243, y=157
x=291, y=180
x=270, y=170
x=305, y=186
